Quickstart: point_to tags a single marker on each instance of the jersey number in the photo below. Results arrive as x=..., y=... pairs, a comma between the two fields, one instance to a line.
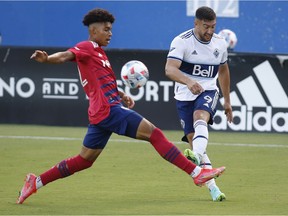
x=105, y=63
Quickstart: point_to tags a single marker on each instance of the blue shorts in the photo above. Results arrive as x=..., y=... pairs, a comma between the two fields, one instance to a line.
x=206, y=101
x=121, y=121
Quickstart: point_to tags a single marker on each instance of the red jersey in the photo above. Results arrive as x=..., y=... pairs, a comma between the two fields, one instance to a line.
x=97, y=78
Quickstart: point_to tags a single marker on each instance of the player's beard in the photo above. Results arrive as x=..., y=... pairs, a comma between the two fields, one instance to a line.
x=206, y=37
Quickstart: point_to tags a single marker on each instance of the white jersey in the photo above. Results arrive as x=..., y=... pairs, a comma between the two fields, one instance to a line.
x=200, y=61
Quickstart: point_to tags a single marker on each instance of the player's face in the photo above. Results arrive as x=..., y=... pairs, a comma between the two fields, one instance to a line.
x=101, y=33
x=205, y=29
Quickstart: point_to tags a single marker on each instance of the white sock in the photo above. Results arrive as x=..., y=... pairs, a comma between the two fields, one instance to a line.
x=39, y=183
x=200, y=139
x=205, y=162
x=195, y=172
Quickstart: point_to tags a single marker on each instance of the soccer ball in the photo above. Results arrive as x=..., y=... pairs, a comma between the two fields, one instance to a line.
x=134, y=74
x=230, y=37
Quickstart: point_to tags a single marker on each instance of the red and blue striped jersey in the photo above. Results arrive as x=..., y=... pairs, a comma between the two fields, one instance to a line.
x=97, y=78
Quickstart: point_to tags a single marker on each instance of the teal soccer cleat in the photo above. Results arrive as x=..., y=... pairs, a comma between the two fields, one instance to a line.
x=217, y=195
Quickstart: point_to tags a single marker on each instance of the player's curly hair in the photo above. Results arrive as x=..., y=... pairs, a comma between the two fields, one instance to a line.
x=205, y=13
x=98, y=15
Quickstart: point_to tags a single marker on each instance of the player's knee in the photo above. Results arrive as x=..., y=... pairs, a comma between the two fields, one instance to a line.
x=145, y=130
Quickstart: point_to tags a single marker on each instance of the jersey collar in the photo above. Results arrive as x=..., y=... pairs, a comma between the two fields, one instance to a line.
x=198, y=39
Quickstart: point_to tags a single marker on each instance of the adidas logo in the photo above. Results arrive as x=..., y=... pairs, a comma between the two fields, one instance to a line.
x=194, y=52
x=263, y=103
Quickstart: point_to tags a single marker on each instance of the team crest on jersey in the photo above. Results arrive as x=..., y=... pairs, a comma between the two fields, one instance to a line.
x=216, y=53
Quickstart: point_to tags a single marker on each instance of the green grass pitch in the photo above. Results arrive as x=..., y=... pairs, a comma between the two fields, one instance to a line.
x=130, y=178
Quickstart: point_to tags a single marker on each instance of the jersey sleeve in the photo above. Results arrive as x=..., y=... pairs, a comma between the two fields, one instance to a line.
x=224, y=57
x=225, y=52
x=177, y=49
x=81, y=50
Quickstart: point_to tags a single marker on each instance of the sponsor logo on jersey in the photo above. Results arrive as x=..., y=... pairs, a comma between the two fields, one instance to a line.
x=203, y=71
x=199, y=70
x=194, y=52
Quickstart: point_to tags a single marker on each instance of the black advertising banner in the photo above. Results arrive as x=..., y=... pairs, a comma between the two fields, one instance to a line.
x=35, y=93
x=258, y=94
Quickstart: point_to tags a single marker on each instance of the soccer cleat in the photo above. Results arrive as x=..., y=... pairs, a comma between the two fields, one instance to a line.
x=28, y=189
x=217, y=195
x=192, y=156
x=207, y=174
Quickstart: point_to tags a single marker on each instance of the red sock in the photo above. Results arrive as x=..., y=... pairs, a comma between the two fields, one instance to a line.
x=170, y=152
x=65, y=168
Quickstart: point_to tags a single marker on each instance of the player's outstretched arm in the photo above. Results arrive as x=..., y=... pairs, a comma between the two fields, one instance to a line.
x=56, y=58
x=224, y=81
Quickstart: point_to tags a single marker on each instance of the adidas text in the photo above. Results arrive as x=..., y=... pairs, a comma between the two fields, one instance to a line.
x=248, y=119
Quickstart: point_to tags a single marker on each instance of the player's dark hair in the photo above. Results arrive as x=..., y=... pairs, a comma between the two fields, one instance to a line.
x=205, y=13
x=97, y=15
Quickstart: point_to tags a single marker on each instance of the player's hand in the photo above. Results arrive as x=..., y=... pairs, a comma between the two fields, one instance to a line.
x=128, y=101
x=39, y=56
x=195, y=87
x=228, y=112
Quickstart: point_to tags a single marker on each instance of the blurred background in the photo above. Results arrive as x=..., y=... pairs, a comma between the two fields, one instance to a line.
x=261, y=26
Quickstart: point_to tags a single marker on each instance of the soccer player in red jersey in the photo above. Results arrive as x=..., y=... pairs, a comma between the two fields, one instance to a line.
x=106, y=112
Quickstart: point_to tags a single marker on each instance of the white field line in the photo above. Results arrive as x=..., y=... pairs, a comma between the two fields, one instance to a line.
x=137, y=141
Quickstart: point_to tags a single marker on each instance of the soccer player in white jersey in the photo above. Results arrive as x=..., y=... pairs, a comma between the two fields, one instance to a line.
x=197, y=58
